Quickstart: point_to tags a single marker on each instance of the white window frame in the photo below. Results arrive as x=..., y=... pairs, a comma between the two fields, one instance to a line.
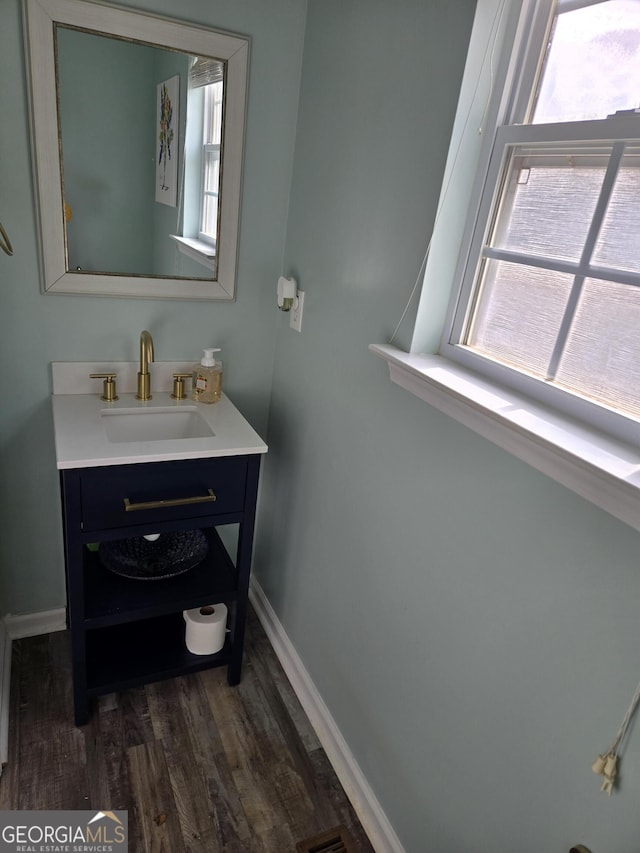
x=583, y=453
x=621, y=129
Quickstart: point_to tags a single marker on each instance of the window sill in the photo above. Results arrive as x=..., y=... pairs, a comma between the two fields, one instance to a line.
x=202, y=253
x=600, y=469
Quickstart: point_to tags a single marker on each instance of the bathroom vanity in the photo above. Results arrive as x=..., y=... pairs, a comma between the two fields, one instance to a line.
x=127, y=631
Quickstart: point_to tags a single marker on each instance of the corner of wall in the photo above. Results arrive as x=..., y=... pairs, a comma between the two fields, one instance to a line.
x=364, y=801
x=5, y=681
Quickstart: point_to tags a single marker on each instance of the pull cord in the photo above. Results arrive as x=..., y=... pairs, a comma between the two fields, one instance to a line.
x=606, y=764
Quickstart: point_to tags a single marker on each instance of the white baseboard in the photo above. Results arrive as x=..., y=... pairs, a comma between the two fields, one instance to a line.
x=370, y=813
x=5, y=681
x=32, y=624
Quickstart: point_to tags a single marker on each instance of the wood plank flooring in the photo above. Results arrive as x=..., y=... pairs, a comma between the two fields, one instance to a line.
x=199, y=765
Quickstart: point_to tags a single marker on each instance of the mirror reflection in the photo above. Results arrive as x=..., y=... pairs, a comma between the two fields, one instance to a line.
x=140, y=142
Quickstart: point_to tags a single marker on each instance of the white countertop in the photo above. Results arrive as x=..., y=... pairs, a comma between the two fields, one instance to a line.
x=81, y=440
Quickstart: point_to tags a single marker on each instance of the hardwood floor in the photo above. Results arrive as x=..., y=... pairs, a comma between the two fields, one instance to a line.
x=199, y=765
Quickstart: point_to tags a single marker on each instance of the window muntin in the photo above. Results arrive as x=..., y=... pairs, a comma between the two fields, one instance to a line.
x=557, y=235
x=618, y=243
x=549, y=204
x=518, y=318
x=602, y=354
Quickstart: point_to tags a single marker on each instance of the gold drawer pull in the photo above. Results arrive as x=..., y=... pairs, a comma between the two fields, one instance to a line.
x=200, y=499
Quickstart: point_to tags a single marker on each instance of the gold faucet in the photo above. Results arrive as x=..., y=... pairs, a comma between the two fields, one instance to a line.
x=144, y=377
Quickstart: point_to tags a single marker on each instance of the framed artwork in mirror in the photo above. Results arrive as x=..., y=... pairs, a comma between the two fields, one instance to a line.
x=167, y=140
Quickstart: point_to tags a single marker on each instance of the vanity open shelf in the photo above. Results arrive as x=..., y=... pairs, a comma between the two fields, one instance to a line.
x=111, y=599
x=143, y=651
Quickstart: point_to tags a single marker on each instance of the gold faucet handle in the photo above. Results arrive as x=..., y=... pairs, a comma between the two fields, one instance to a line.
x=108, y=387
x=178, y=385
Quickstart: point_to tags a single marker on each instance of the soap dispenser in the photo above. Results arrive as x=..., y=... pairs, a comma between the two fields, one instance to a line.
x=207, y=378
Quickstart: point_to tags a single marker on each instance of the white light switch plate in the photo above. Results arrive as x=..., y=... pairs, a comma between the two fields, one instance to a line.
x=295, y=320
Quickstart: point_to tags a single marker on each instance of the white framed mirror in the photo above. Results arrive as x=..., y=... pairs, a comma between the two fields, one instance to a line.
x=137, y=139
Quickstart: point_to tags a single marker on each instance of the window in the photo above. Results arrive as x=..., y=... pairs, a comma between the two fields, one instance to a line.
x=210, y=182
x=200, y=205
x=550, y=295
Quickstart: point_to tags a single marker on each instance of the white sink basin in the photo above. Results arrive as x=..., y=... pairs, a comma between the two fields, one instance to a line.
x=154, y=424
x=90, y=433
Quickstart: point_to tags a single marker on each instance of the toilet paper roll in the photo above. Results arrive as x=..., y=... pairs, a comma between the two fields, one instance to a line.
x=205, y=629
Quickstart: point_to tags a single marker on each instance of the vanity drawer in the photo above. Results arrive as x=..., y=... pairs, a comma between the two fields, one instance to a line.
x=123, y=495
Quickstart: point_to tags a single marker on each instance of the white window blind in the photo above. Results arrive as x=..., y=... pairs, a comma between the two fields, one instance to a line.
x=205, y=71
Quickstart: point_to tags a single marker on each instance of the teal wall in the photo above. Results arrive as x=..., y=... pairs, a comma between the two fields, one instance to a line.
x=471, y=625
x=108, y=122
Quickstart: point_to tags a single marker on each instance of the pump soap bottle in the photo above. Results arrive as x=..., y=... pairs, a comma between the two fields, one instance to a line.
x=207, y=378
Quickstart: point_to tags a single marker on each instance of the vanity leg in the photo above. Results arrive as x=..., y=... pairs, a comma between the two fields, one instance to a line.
x=243, y=562
x=234, y=669
x=74, y=552
x=79, y=672
x=81, y=709
x=233, y=674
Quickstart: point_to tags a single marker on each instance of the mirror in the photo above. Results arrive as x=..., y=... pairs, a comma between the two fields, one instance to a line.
x=134, y=198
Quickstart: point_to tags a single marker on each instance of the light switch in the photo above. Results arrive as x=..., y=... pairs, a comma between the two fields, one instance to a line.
x=295, y=320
